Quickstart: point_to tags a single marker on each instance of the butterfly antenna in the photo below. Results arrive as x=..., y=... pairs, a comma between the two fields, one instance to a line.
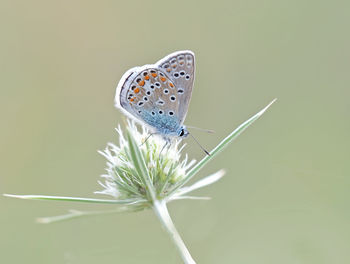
x=202, y=129
x=206, y=152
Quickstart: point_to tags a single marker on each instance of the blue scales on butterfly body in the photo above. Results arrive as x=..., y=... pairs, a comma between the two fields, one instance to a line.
x=158, y=95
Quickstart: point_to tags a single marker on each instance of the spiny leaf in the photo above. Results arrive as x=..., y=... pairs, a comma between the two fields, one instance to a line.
x=220, y=147
x=75, y=199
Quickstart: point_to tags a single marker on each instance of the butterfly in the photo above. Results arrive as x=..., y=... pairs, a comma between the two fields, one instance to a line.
x=157, y=95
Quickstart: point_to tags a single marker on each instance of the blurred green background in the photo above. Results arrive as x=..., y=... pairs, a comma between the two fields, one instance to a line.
x=285, y=197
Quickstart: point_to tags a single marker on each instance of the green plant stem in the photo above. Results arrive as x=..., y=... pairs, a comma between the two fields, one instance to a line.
x=162, y=213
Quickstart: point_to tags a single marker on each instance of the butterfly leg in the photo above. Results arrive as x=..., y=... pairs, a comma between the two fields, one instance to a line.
x=167, y=143
x=151, y=134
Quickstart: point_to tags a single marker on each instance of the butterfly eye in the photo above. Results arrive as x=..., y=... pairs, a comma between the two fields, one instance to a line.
x=182, y=132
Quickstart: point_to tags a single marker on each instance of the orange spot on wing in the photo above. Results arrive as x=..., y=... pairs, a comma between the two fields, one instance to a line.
x=168, y=70
x=154, y=74
x=163, y=79
x=132, y=99
x=181, y=62
x=136, y=90
x=147, y=77
x=142, y=83
x=171, y=84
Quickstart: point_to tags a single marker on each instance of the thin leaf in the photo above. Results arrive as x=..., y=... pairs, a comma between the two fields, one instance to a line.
x=201, y=183
x=74, y=199
x=221, y=146
x=174, y=198
x=140, y=165
x=76, y=213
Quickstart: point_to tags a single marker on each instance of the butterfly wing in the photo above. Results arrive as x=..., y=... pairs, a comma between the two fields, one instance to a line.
x=149, y=96
x=157, y=96
x=180, y=68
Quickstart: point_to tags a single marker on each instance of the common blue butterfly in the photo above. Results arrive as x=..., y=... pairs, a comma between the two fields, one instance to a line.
x=157, y=95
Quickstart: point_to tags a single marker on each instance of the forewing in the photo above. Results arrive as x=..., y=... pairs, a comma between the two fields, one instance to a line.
x=180, y=68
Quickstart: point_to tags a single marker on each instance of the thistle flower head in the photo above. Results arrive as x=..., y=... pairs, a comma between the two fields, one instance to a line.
x=145, y=172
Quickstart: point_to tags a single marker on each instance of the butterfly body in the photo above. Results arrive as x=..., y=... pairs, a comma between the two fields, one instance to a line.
x=158, y=95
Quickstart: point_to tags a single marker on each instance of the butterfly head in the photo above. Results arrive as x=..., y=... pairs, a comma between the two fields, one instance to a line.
x=182, y=132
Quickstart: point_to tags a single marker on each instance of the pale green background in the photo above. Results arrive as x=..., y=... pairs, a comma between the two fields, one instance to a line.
x=285, y=197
